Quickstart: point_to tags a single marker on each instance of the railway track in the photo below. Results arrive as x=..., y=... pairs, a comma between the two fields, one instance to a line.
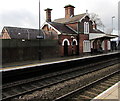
x=12, y=90
x=91, y=90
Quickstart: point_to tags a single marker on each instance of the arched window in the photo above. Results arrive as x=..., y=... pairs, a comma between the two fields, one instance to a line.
x=86, y=28
x=74, y=42
x=68, y=43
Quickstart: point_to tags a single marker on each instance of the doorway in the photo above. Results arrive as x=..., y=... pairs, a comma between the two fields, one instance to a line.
x=65, y=48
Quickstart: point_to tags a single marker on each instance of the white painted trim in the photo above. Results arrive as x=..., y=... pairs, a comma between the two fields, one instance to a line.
x=69, y=34
x=103, y=45
x=67, y=42
x=75, y=41
x=46, y=23
x=93, y=36
x=92, y=43
x=84, y=17
x=86, y=27
x=43, y=25
x=109, y=45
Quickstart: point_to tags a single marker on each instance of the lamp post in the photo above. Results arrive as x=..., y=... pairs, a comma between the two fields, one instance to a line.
x=112, y=23
x=39, y=51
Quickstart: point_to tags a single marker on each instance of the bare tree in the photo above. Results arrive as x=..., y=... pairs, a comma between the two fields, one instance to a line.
x=95, y=18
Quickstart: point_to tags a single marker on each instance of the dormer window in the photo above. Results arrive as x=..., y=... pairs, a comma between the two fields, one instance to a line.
x=86, y=28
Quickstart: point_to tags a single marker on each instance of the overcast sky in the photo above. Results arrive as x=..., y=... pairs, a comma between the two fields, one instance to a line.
x=24, y=13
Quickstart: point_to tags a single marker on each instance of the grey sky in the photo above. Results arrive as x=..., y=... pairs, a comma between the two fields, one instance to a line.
x=24, y=13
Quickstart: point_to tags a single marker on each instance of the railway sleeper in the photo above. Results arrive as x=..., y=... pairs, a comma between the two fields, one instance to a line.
x=5, y=95
x=100, y=87
x=98, y=91
x=109, y=82
x=113, y=80
x=20, y=89
x=84, y=97
x=91, y=92
x=105, y=84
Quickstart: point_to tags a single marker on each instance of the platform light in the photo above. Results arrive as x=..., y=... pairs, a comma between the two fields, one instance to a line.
x=112, y=23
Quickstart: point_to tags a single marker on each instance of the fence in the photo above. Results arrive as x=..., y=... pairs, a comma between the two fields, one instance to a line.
x=22, y=50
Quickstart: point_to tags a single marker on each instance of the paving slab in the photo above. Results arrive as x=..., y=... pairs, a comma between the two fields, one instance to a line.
x=111, y=93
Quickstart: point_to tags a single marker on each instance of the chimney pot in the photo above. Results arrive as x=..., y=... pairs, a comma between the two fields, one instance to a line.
x=69, y=11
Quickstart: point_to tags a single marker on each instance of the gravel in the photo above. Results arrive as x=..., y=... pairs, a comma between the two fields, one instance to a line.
x=67, y=86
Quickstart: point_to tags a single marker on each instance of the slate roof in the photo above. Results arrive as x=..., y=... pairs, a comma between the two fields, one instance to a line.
x=61, y=28
x=96, y=31
x=22, y=33
x=70, y=20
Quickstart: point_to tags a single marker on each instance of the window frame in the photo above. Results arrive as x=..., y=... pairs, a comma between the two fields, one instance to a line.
x=86, y=27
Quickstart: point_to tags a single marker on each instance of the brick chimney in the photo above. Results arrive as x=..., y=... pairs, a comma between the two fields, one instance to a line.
x=94, y=25
x=48, y=14
x=69, y=11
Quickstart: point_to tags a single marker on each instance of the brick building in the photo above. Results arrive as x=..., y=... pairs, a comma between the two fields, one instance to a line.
x=76, y=34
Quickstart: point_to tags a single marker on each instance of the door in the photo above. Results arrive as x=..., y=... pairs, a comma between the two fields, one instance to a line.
x=65, y=48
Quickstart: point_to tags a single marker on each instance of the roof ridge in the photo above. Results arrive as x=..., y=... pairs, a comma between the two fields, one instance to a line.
x=19, y=27
x=72, y=17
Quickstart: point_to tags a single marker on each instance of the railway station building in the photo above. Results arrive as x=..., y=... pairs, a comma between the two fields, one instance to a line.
x=76, y=34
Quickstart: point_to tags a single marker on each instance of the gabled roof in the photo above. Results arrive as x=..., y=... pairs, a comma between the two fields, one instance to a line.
x=62, y=28
x=22, y=33
x=71, y=19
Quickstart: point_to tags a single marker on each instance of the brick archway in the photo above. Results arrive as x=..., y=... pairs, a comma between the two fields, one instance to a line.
x=65, y=45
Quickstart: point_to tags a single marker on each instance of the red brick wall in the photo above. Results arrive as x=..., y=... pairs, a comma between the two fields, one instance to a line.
x=82, y=37
x=81, y=25
x=5, y=35
x=73, y=25
x=61, y=48
x=68, y=12
x=50, y=33
x=106, y=45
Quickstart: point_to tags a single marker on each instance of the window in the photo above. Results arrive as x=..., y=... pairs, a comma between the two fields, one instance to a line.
x=103, y=45
x=86, y=46
x=109, y=45
x=86, y=28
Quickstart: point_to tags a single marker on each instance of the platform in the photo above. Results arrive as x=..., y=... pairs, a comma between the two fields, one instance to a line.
x=47, y=62
x=112, y=94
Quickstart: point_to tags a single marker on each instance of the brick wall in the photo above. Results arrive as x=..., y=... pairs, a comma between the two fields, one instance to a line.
x=73, y=25
x=82, y=37
x=70, y=47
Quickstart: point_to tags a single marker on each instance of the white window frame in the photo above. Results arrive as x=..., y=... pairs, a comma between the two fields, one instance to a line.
x=86, y=27
x=109, y=45
x=103, y=45
x=86, y=46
